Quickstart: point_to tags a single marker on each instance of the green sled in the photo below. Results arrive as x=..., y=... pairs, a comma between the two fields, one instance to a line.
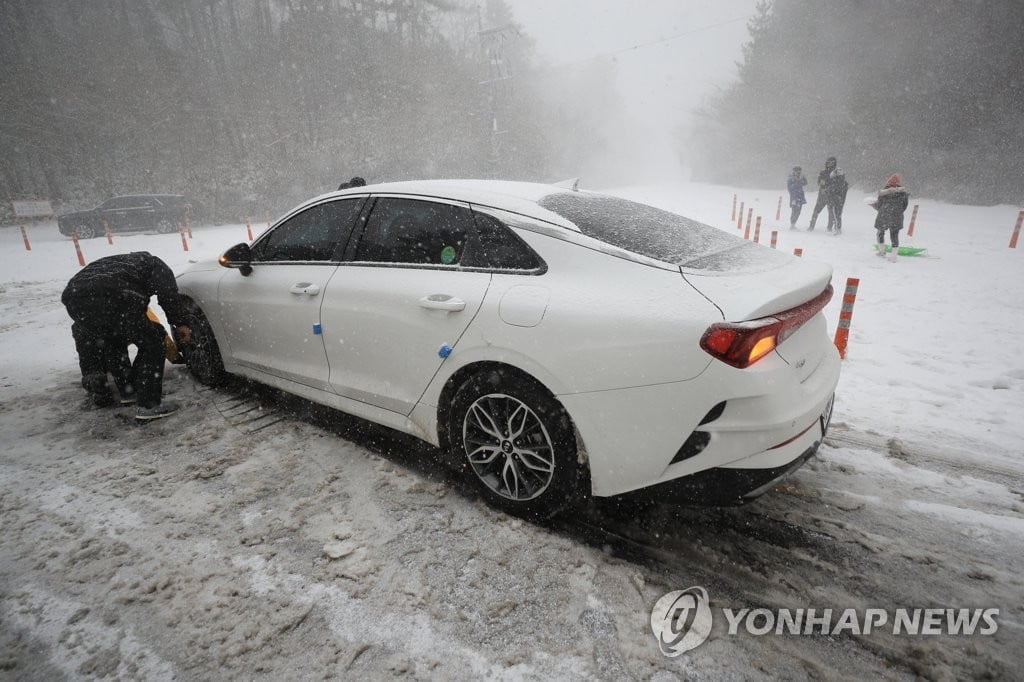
x=907, y=250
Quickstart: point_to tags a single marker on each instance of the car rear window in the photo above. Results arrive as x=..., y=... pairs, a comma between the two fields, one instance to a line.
x=652, y=232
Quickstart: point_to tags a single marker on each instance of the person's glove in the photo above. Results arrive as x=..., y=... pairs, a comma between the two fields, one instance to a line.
x=183, y=333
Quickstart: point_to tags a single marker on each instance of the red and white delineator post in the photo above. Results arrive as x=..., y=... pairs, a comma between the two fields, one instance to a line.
x=78, y=249
x=846, y=315
x=913, y=220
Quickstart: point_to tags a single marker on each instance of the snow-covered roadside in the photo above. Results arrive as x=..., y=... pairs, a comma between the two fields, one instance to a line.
x=228, y=543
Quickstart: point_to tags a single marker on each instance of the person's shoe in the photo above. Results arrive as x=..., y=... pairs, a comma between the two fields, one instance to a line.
x=95, y=384
x=126, y=396
x=792, y=226
x=164, y=409
x=880, y=250
x=104, y=399
x=811, y=228
x=837, y=232
x=894, y=255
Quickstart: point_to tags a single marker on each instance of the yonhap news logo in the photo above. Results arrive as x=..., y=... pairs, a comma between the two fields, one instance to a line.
x=682, y=620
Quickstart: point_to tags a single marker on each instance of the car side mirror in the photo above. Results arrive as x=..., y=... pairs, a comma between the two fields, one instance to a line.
x=238, y=256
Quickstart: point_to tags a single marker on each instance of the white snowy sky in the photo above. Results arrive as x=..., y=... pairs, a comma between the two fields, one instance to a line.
x=670, y=55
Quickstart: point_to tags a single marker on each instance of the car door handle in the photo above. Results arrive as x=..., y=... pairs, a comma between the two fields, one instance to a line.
x=442, y=302
x=305, y=288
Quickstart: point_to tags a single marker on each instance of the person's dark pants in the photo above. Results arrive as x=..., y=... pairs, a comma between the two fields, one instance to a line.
x=835, y=215
x=819, y=204
x=894, y=236
x=103, y=330
x=794, y=214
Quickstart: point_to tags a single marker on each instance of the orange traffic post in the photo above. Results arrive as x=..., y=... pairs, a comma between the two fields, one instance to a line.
x=106, y=232
x=248, y=228
x=913, y=220
x=733, y=207
x=750, y=222
x=188, y=222
x=757, y=231
x=778, y=210
x=798, y=252
x=184, y=242
x=846, y=314
x=78, y=249
x=775, y=238
x=28, y=247
x=1013, y=238
x=739, y=218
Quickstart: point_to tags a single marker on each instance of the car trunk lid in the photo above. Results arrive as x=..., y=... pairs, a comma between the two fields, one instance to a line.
x=760, y=287
x=769, y=287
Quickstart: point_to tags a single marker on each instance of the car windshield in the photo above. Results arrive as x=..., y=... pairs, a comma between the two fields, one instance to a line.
x=652, y=232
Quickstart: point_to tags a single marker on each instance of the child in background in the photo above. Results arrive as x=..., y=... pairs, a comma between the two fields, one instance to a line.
x=891, y=204
x=795, y=184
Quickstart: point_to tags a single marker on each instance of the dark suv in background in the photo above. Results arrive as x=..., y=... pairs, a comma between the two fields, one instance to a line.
x=134, y=212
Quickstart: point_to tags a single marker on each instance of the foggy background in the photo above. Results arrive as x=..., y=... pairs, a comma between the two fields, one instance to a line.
x=249, y=106
x=668, y=59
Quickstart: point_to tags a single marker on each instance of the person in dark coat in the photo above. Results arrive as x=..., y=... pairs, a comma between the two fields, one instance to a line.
x=822, y=199
x=836, y=188
x=107, y=301
x=891, y=205
x=795, y=184
x=354, y=182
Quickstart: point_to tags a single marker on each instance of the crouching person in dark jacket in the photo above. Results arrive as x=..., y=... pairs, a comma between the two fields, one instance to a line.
x=107, y=301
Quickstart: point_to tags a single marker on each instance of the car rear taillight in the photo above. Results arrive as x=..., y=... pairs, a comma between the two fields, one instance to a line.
x=741, y=344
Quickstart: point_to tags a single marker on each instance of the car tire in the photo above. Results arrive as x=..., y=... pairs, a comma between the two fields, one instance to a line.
x=166, y=227
x=516, y=442
x=202, y=354
x=86, y=231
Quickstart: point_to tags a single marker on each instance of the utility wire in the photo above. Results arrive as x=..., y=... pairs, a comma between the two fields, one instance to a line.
x=651, y=43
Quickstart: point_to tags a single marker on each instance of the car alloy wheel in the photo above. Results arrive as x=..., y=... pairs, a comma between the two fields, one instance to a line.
x=166, y=227
x=508, y=447
x=85, y=231
x=518, y=442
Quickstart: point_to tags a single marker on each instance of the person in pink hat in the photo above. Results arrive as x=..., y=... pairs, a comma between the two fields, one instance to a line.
x=891, y=204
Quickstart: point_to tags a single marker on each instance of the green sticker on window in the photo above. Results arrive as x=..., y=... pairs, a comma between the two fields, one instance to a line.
x=448, y=255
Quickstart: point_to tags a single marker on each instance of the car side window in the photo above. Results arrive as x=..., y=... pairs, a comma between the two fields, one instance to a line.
x=497, y=247
x=313, y=235
x=416, y=232
x=115, y=203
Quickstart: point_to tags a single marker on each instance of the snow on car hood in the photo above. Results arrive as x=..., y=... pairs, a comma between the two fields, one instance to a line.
x=199, y=265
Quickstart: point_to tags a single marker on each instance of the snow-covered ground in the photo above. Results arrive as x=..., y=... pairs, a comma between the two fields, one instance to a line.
x=253, y=535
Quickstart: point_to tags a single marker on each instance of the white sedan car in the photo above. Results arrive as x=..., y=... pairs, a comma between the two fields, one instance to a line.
x=557, y=342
